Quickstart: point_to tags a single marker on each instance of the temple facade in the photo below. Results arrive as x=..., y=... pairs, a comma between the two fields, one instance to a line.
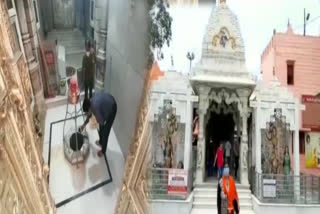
x=220, y=102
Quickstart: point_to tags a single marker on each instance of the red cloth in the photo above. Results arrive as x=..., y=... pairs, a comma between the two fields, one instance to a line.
x=220, y=157
x=230, y=192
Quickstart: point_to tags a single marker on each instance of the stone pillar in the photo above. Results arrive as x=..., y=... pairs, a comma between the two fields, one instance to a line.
x=244, y=114
x=258, y=139
x=296, y=145
x=296, y=154
x=101, y=30
x=31, y=45
x=29, y=37
x=188, y=137
x=201, y=147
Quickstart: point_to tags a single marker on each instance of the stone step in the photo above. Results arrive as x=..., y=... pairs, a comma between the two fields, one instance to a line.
x=75, y=51
x=66, y=37
x=214, y=185
x=214, y=190
x=214, y=211
x=210, y=198
x=76, y=43
x=65, y=32
x=59, y=101
x=213, y=205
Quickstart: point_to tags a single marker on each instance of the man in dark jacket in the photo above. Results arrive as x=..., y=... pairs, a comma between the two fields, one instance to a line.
x=104, y=107
x=88, y=71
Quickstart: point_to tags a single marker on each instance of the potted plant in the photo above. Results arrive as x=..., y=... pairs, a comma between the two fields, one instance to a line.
x=63, y=87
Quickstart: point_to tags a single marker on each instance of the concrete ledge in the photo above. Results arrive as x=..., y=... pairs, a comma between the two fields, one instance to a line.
x=59, y=101
x=172, y=206
x=267, y=208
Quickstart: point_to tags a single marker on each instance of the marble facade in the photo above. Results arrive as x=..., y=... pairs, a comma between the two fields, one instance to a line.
x=264, y=101
x=221, y=77
x=175, y=88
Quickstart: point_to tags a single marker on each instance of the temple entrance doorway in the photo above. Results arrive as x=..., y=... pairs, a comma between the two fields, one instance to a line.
x=220, y=128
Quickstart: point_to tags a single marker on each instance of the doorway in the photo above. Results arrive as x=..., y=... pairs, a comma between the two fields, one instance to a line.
x=64, y=14
x=220, y=128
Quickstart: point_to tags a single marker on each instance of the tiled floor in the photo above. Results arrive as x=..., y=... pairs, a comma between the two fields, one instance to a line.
x=91, y=188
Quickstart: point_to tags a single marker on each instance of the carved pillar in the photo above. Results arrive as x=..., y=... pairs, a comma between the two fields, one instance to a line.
x=296, y=152
x=101, y=29
x=26, y=15
x=201, y=147
x=258, y=138
x=19, y=142
x=188, y=137
x=244, y=113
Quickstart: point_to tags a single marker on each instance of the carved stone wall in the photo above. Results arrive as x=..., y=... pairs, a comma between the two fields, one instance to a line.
x=133, y=195
x=23, y=177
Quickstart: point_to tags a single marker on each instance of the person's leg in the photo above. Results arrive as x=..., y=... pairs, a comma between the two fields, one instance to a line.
x=85, y=91
x=104, y=138
x=236, y=166
x=106, y=131
x=220, y=172
x=90, y=90
x=99, y=132
x=235, y=206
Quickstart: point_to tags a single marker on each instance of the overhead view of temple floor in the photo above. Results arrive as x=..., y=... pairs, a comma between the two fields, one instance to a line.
x=91, y=185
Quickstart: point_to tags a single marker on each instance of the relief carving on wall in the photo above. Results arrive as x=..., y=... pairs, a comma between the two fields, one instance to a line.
x=25, y=79
x=275, y=140
x=167, y=136
x=21, y=161
x=223, y=38
x=132, y=198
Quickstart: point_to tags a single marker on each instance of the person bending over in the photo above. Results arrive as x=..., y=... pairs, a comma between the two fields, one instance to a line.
x=104, y=107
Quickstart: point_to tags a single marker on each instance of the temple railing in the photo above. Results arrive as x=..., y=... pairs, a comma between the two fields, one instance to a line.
x=288, y=189
x=158, y=188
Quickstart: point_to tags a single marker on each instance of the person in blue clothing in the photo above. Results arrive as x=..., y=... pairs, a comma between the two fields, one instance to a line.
x=104, y=107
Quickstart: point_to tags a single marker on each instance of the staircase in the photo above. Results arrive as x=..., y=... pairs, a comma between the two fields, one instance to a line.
x=73, y=42
x=205, y=199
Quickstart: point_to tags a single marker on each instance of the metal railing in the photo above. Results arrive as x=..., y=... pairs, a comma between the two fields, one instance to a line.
x=290, y=189
x=158, y=185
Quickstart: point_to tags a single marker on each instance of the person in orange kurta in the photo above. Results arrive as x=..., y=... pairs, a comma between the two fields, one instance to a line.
x=228, y=201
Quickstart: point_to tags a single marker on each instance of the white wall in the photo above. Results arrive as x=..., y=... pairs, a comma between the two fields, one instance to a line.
x=127, y=50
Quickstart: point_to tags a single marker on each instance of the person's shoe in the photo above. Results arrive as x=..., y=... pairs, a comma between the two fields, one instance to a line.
x=100, y=154
x=98, y=143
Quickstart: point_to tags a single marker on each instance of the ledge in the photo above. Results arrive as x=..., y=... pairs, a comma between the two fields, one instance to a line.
x=188, y=200
x=274, y=208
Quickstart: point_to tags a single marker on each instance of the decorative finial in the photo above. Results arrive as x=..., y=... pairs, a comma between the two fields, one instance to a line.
x=172, y=64
x=289, y=30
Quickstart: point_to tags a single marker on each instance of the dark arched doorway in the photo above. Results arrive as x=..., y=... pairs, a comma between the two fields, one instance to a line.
x=220, y=128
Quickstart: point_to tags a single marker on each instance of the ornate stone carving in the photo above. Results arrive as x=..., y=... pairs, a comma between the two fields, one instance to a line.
x=16, y=98
x=199, y=156
x=245, y=155
x=3, y=90
x=3, y=109
x=132, y=197
x=223, y=37
x=27, y=192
